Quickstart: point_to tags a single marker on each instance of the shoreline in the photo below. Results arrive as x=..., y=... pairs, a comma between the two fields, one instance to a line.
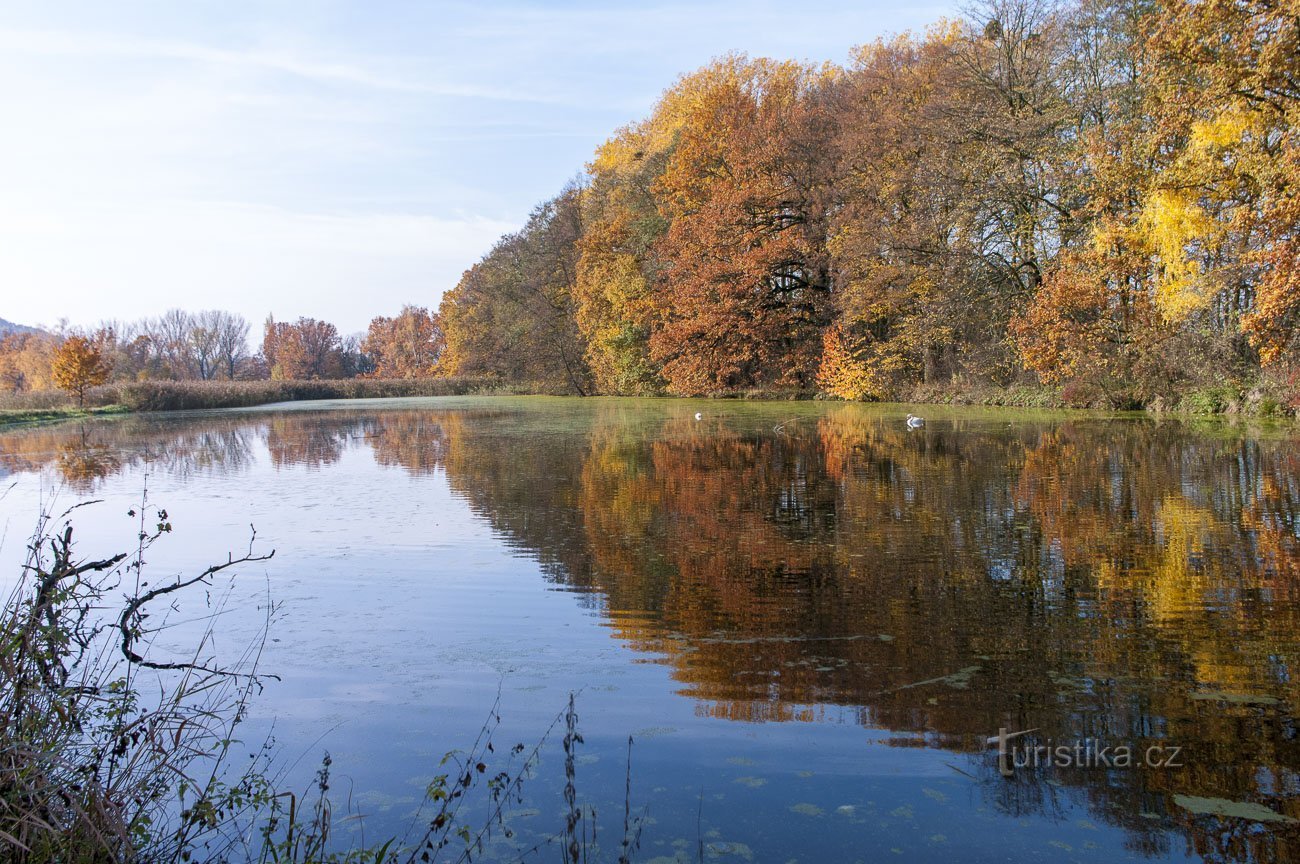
x=1226, y=401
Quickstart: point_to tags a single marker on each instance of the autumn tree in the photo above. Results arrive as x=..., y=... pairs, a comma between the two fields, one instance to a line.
x=306, y=349
x=1228, y=208
x=614, y=293
x=745, y=283
x=1100, y=320
x=898, y=238
x=1010, y=124
x=1181, y=149
x=25, y=361
x=950, y=202
x=512, y=315
x=78, y=365
x=405, y=346
x=130, y=351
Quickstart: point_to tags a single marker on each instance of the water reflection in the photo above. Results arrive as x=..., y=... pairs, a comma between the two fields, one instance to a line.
x=1126, y=582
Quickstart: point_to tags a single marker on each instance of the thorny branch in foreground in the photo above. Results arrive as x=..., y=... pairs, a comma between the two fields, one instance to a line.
x=93, y=765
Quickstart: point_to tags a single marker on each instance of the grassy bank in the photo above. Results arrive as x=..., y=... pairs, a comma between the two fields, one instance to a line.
x=32, y=416
x=1245, y=399
x=1259, y=398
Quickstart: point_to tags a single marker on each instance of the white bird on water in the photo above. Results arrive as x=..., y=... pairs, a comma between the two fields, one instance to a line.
x=914, y=422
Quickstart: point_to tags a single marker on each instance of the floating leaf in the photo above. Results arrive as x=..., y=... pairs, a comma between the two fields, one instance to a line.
x=1231, y=809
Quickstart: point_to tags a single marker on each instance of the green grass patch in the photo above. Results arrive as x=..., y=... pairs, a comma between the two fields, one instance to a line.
x=33, y=416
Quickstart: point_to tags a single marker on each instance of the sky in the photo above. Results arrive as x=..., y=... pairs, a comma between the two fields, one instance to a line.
x=328, y=159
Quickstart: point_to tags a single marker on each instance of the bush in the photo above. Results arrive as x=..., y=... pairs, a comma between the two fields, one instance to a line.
x=109, y=753
x=1216, y=399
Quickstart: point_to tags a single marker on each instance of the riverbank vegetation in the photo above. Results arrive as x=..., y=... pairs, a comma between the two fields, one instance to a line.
x=185, y=395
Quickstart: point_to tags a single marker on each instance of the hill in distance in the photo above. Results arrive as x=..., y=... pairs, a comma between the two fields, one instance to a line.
x=7, y=327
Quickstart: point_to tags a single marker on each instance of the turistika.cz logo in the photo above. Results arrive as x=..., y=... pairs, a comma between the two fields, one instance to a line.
x=1013, y=753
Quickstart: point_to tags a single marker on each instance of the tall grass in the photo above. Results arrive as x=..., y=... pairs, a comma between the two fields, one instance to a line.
x=181, y=395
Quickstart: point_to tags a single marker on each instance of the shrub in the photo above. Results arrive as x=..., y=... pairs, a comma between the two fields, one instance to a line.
x=108, y=753
x=1216, y=399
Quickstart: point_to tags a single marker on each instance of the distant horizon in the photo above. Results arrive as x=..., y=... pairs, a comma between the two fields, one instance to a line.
x=334, y=164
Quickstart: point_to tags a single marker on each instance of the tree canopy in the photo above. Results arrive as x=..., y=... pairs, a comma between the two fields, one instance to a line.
x=1091, y=194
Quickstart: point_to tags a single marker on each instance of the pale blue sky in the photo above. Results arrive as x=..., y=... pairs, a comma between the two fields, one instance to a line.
x=330, y=159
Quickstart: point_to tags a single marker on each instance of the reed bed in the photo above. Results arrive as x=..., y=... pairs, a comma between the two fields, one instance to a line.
x=187, y=395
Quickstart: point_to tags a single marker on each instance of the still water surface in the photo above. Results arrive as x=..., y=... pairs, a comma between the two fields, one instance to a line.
x=809, y=619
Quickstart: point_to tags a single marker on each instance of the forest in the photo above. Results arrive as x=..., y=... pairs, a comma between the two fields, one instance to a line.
x=1094, y=203
x=1096, y=198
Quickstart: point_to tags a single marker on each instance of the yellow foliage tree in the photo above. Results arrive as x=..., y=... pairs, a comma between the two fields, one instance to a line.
x=25, y=360
x=1230, y=106
x=79, y=365
x=842, y=374
x=1181, y=234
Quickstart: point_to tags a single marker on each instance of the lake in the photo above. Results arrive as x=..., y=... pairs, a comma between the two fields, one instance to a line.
x=809, y=619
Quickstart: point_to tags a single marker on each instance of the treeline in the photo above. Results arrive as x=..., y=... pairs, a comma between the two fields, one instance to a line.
x=215, y=345
x=1096, y=196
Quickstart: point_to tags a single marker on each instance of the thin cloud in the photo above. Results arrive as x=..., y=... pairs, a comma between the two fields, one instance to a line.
x=50, y=43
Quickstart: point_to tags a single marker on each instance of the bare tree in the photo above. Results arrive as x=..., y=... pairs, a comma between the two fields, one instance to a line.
x=170, y=337
x=205, y=345
x=231, y=337
x=202, y=344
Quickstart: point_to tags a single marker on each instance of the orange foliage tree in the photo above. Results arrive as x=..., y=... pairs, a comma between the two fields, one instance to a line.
x=744, y=293
x=306, y=349
x=78, y=365
x=25, y=360
x=406, y=346
x=897, y=235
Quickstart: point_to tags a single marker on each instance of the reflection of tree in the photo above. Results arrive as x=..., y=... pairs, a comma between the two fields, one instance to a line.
x=294, y=439
x=1117, y=582
x=87, y=452
x=200, y=449
x=81, y=460
x=414, y=440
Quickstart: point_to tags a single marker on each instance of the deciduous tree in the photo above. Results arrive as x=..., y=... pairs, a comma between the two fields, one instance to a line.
x=512, y=315
x=306, y=349
x=405, y=346
x=78, y=365
x=745, y=284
